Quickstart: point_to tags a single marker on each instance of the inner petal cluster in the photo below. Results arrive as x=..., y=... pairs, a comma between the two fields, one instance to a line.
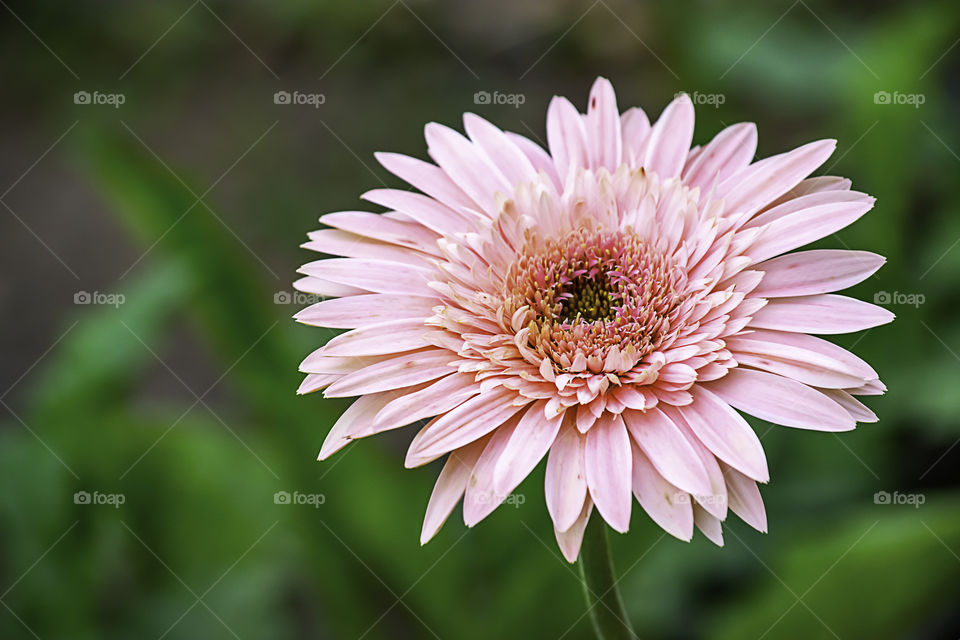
x=594, y=300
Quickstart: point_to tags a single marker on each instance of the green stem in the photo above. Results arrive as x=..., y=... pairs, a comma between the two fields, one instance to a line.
x=610, y=621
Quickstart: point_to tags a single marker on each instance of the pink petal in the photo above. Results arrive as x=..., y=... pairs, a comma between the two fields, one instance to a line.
x=780, y=400
x=531, y=439
x=634, y=126
x=787, y=231
x=709, y=525
x=824, y=314
x=388, y=337
x=428, y=178
x=537, y=156
x=668, y=450
x=467, y=165
x=812, y=272
x=745, y=499
x=670, y=139
x=379, y=227
x=316, y=381
x=565, y=484
x=715, y=501
x=471, y=420
x=343, y=243
x=358, y=416
x=395, y=373
x=756, y=186
x=817, y=184
x=365, y=310
x=317, y=362
x=377, y=276
x=570, y=539
x=666, y=505
x=585, y=418
x=730, y=151
x=566, y=137
x=500, y=149
x=857, y=410
x=434, y=400
x=725, y=433
x=449, y=488
x=784, y=206
x=603, y=126
x=429, y=212
x=607, y=460
x=872, y=388
x=481, y=498
x=325, y=288
x=806, y=358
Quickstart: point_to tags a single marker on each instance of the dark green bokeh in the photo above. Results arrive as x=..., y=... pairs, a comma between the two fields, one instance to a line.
x=182, y=398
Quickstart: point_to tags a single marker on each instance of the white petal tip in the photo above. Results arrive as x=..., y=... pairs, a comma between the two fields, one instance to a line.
x=330, y=447
x=619, y=527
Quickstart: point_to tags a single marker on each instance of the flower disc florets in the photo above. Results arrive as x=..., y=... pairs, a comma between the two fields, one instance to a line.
x=594, y=300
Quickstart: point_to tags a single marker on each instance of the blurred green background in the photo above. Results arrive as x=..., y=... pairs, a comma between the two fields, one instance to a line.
x=189, y=200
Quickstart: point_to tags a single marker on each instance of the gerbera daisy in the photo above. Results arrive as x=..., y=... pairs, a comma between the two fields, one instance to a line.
x=609, y=303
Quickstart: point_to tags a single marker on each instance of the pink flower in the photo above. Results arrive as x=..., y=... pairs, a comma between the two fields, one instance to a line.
x=609, y=305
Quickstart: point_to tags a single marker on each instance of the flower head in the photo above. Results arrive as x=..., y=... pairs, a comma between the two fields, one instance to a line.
x=609, y=304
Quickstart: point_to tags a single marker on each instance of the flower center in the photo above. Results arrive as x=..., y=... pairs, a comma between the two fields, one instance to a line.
x=586, y=298
x=587, y=292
